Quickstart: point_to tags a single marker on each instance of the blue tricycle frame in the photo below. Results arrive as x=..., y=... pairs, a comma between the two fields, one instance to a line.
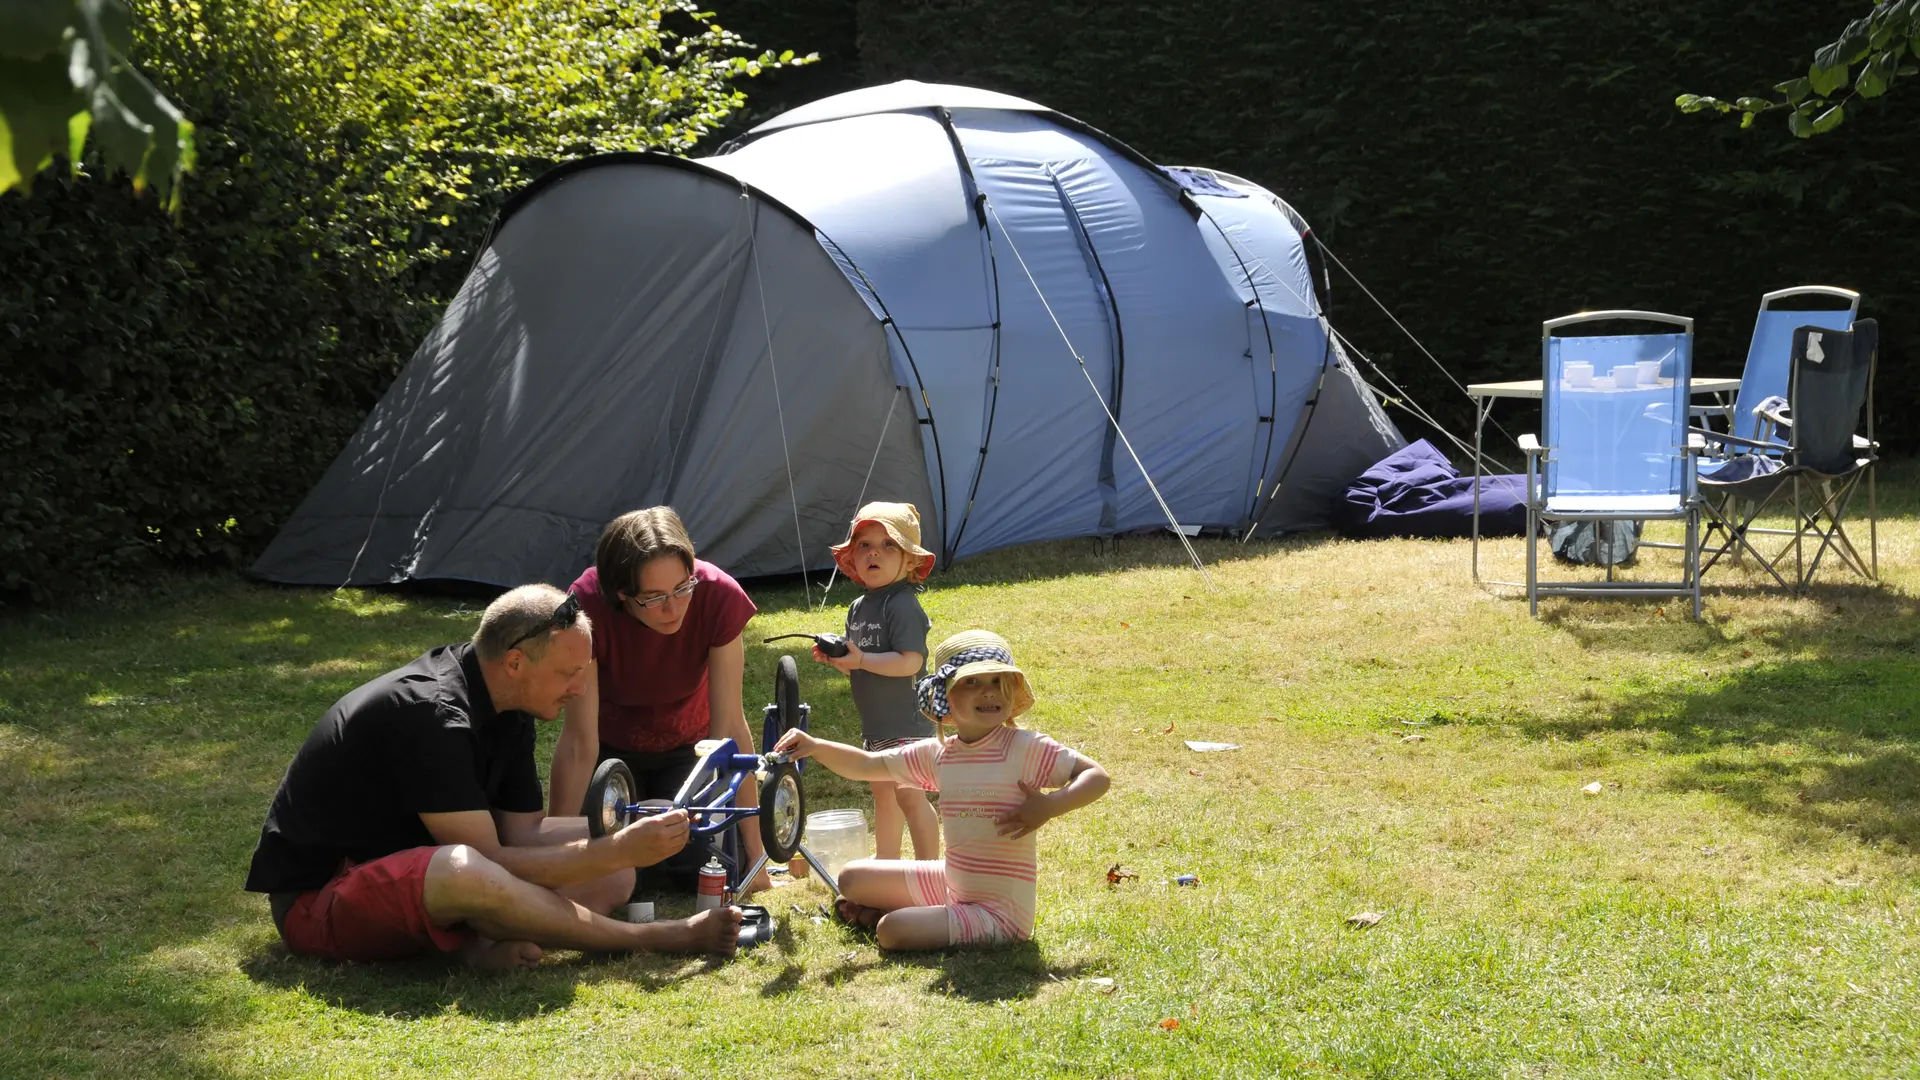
x=708, y=793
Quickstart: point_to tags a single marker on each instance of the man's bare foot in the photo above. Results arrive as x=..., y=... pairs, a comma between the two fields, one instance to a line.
x=715, y=930
x=501, y=955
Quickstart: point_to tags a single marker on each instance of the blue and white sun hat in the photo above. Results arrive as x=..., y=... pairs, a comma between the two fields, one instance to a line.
x=973, y=652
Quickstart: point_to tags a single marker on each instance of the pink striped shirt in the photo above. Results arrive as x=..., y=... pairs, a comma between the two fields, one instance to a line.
x=978, y=784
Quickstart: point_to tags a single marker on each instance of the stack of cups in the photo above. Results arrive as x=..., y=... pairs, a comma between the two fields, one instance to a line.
x=640, y=911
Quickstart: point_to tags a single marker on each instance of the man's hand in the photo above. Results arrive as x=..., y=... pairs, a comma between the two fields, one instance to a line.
x=653, y=837
x=1036, y=811
x=842, y=664
x=796, y=744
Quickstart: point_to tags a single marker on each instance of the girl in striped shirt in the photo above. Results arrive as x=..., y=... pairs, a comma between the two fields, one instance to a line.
x=992, y=777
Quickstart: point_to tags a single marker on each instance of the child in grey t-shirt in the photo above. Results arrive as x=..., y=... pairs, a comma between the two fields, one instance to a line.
x=886, y=652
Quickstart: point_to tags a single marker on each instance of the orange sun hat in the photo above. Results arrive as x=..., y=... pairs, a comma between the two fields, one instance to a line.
x=902, y=523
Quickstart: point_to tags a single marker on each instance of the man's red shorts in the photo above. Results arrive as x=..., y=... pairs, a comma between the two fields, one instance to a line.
x=371, y=911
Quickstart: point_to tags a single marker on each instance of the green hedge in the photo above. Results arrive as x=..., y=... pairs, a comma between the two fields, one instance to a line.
x=173, y=388
x=1480, y=166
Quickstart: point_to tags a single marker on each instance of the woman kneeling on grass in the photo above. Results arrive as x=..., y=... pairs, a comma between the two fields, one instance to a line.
x=990, y=774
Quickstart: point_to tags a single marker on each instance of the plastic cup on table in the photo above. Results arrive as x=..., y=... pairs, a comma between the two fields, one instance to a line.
x=1579, y=374
x=1649, y=372
x=1626, y=376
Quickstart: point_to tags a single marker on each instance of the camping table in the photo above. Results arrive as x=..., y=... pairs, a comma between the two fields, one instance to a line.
x=1485, y=394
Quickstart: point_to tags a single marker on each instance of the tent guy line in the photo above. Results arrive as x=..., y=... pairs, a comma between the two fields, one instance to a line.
x=780, y=410
x=1095, y=387
x=862, y=499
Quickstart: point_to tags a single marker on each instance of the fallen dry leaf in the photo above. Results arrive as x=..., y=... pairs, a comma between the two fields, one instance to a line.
x=1363, y=919
x=1594, y=788
x=1103, y=985
x=1117, y=874
x=1126, y=626
x=1169, y=1024
x=1196, y=772
x=1138, y=730
x=1413, y=738
x=1169, y=728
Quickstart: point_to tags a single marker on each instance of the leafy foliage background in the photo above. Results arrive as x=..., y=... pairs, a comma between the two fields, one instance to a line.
x=173, y=387
x=171, y=390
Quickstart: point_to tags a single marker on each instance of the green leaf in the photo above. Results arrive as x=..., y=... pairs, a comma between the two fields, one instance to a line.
x=1856, y=41
x=1796, y=90
x=30, y=29
x=1829, y=120
x=1753, y=104
x=36, y=98
x=1693, y=103
x=1800, y=122
x=1877, y=77
x=1828, y=72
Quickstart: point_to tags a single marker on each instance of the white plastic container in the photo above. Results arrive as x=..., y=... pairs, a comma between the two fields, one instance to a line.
x=837, y=837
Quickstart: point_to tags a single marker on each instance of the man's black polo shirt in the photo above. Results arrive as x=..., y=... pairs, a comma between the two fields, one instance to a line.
x=424, y=739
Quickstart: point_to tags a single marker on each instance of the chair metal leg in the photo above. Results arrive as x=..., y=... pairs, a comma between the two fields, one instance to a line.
x=1533, y=563
x=1692, y=557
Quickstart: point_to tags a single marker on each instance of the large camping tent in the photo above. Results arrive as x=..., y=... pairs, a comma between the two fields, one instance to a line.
x=913, y=292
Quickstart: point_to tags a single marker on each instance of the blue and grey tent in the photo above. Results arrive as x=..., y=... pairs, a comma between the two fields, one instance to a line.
x=913, y=292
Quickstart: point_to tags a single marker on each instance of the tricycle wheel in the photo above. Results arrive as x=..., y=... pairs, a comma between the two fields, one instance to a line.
x=786, y=694
x=783, y=812
x=609, y=798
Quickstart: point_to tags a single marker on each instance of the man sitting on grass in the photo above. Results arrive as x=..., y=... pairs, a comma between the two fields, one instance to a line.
x=410, y=821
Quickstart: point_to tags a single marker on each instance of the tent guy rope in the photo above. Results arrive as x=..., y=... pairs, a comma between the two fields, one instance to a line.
x=1091, y=385
x=786, y=452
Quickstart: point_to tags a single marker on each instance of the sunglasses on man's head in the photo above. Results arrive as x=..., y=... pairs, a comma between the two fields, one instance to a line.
x=562, y=619
x=655, y=601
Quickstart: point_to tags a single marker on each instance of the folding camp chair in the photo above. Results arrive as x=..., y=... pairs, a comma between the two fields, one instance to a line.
x=1765, y=375
x=1820, y=466
x=1617, y=445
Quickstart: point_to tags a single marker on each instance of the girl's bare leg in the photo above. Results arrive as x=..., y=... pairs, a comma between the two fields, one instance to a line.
x=923, y=822
x=914, y=928
x=887, y=820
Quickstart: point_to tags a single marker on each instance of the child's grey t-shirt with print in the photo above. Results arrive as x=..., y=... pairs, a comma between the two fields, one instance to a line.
x=889, y=620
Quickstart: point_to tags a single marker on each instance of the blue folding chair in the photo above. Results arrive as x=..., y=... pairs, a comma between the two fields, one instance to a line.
x=1821, y=461
x=1617, y=445
x=1769, y=357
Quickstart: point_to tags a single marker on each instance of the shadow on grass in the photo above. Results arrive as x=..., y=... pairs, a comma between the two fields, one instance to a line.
x=413, y=990
x=1826, y=739
x=985, y=975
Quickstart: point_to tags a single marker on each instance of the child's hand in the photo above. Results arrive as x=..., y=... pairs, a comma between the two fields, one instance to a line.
x=842, y=664
x=1036, y=811
x=796, y=744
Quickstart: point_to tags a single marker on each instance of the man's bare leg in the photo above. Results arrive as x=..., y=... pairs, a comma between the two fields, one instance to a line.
x=464, y=886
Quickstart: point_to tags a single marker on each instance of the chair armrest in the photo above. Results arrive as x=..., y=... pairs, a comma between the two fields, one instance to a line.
x=1696, y=443
x=1735, y=440
x=1530, y=445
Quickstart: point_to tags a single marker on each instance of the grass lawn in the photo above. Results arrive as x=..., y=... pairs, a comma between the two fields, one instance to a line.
x=1739, y=899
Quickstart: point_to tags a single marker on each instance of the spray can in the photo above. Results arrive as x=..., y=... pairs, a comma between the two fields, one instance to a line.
x=712, y=889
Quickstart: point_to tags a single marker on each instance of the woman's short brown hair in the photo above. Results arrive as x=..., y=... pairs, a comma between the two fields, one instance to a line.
x=633, y=540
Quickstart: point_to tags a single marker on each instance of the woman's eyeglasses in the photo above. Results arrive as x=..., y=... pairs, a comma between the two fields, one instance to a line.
x=563, y=618
x=653, y=602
